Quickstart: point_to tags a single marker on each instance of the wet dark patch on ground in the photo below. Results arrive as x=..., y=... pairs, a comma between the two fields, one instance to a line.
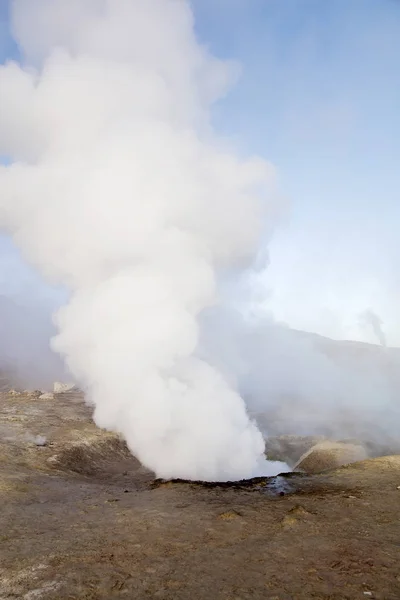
x=277, y=485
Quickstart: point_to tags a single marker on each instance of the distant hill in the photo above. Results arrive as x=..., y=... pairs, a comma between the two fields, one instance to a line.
x=26, y=359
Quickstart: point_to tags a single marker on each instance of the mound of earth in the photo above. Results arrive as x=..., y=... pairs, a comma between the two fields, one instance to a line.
x=328, y=455
x=104, y=458
x=92, y=455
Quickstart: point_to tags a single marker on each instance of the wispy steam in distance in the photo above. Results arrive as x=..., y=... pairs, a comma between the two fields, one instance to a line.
x=370, y=318
x=301, y=383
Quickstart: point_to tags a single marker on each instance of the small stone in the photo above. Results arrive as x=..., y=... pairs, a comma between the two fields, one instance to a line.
x=60, y=388
x=40, y=440
x=47, y=396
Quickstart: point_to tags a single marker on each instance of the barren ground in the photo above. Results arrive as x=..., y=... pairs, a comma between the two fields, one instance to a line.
x=90, y=523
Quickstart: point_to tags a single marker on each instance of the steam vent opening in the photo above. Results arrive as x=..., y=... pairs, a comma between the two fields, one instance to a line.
x=107, y=458
x=289, y=459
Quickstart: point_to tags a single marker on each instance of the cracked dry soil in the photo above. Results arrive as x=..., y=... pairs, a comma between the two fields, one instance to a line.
x=81, y=519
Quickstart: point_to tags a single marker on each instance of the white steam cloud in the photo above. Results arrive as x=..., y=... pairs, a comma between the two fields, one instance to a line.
x=119, y=191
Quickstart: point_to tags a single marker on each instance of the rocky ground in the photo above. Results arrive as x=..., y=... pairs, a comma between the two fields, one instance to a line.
x=81, y=519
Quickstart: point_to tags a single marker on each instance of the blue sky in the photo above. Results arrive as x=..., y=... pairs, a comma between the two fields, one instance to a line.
x=319, y=97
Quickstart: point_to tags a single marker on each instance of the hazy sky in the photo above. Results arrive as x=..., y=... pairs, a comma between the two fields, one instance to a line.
x=319, y=96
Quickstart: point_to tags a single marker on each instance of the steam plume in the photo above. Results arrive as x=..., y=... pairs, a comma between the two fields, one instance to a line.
x=120, y=191
x=369, y=317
